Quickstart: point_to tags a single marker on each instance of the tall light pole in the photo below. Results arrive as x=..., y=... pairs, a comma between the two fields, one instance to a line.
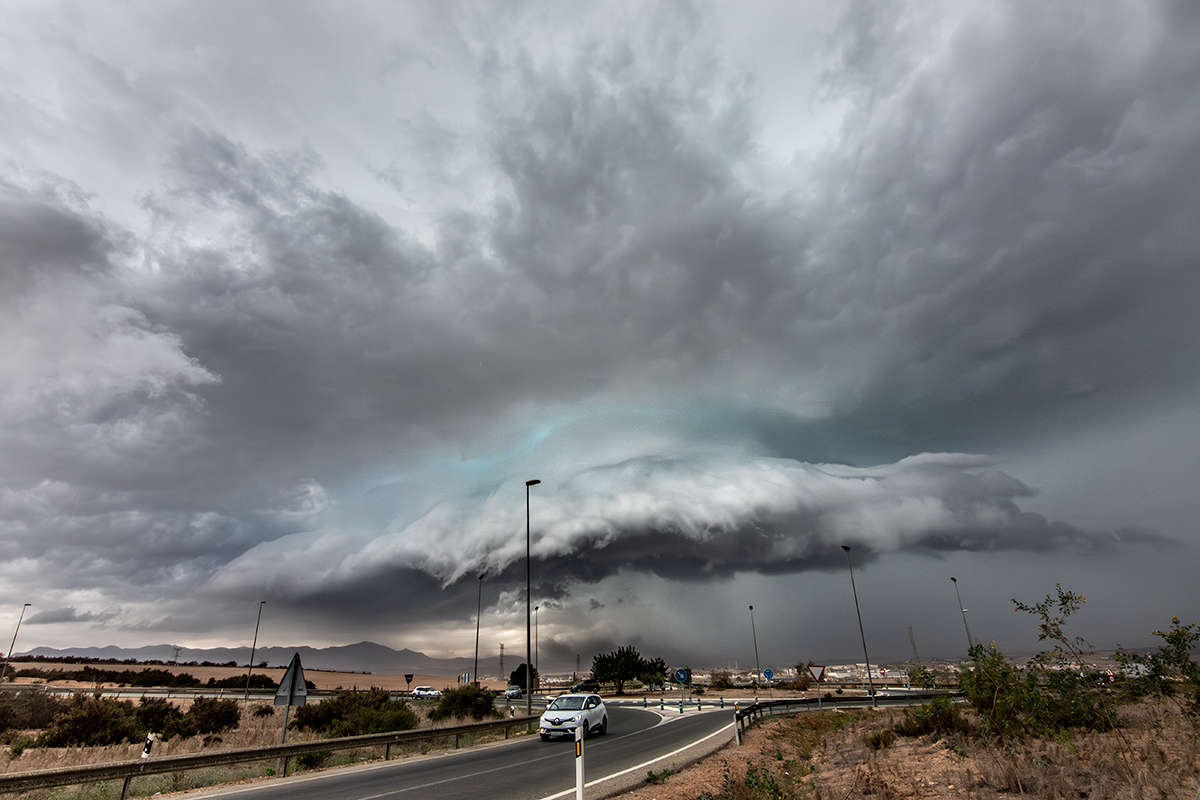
x=970, y=641
x=8, y=655
x=253, y=647
x=754, y=633
x=478, y=612
x=528, y=594
x=537, y=650
x=870, y=681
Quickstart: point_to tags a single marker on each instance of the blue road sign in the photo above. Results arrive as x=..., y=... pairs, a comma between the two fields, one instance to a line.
x=768, y=674
x=681, y=675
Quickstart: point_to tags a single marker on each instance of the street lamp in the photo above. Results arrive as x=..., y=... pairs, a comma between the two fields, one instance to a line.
x=478, y=612
x=528, y=593
x=253, y=647
x=8, y=655
x=756, y=664
x=870, y=681
x=537, y=650
x=970, y=641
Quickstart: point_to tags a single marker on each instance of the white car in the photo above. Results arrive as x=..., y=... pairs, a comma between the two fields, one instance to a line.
x=567, y=712
x=426, y=691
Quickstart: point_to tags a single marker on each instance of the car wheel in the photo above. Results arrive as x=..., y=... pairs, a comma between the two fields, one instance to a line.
x=604, y=726
x=545, y=737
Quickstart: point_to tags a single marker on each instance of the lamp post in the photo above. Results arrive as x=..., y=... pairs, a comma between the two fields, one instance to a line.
x=8, y=655
x=970, y=641
x=253, y=647
x=537, y=650
x=528, y=593
x=756, y=664
x=870, y=681
x=478, y=612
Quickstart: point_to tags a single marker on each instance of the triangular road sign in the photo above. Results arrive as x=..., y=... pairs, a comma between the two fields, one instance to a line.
x=817, y=671
x=292, y=689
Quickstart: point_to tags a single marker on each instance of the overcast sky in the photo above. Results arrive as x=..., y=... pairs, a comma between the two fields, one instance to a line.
x=296, y=297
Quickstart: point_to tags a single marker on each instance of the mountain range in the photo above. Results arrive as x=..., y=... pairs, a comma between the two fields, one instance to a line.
x=361, y=657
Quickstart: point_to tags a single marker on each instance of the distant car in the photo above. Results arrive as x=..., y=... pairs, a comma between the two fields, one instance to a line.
x=569, y=711
x=586, y=686
x=426, y=691
x=514, y=693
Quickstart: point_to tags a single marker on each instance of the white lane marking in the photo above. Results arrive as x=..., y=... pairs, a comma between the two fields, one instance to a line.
x=639, y=767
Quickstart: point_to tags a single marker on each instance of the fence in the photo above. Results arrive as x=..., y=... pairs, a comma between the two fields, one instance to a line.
x=128, y=770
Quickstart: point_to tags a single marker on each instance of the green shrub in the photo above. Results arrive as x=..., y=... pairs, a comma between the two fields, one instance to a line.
x=354, y=713
x=28, y=709
x=465, y=701
x=158, y=715
x=940, y=716
x=1053, y=693
x=264, y=711
x=209, y=715
x=92, y=721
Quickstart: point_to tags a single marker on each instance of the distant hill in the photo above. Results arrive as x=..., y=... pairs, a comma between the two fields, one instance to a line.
x=361, y=657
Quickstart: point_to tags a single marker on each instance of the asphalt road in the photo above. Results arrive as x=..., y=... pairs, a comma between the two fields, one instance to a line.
x=527, y=769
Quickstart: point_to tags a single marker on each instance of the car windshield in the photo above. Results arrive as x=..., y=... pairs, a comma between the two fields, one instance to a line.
x=567, y=704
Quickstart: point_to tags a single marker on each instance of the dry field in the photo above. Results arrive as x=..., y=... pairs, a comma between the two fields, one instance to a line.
x=828, y=756
x=323, y=680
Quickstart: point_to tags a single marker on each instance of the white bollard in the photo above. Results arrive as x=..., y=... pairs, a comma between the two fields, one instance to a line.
x=579, y=760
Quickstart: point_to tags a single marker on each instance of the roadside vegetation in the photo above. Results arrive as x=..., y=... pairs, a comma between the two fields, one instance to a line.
x=1054, y=728
x=624, y=665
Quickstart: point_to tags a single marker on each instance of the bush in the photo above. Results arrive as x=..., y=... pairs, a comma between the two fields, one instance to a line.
x=91, y=721
x=209, y=715
x=158, y=715
x=354, y=713
x=1052, y=694
x=28, y=709
x=463, y=702
x=264, y=711
x=721, y=681
x=313, y=760
x=940, y=716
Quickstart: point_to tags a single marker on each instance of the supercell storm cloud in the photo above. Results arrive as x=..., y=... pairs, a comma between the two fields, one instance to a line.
x=295, y=301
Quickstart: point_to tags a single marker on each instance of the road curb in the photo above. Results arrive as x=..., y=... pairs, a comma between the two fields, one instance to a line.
x=634, y=777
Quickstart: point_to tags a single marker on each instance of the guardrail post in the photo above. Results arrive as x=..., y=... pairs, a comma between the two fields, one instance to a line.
x=125, y=786
x=387, y=751
x=456, y=741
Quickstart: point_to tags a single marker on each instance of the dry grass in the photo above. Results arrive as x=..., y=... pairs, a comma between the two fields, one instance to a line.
x=831, y=756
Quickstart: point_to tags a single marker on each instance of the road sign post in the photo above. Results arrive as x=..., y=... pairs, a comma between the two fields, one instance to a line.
x=681, y=676
x=292, y=692
x=818, y=672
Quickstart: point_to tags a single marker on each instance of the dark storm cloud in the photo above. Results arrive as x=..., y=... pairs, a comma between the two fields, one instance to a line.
x=270, y=377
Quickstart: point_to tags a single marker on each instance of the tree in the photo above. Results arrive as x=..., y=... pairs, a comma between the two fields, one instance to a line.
x=625, y=664
x=465, y=701
x=654, y=672
x=517, y=678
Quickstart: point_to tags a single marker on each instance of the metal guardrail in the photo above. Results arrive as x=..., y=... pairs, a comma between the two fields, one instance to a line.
x=751, y=715
x=128, y=770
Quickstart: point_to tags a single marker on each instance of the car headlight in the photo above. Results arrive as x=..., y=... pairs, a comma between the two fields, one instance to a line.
x=576, y=718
